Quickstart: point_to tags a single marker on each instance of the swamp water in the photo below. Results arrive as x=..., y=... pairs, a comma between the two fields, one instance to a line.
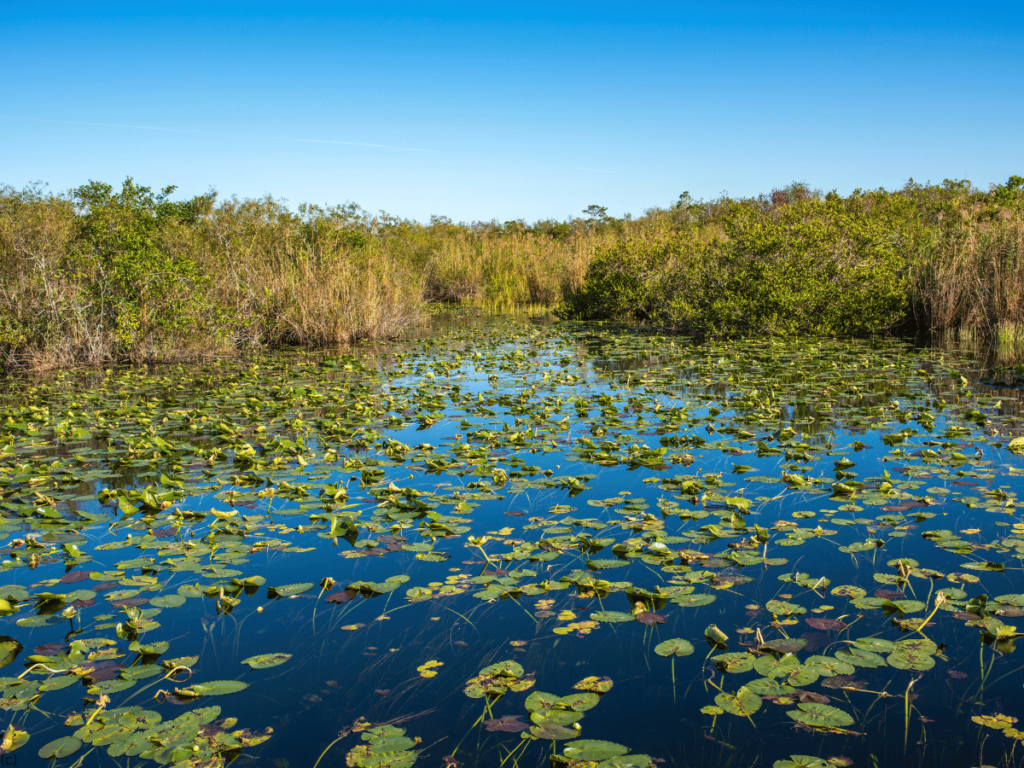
x=516, y=544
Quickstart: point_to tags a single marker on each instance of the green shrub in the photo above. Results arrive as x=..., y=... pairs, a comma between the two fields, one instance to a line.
x=144, y=282
x=624, y=282
x=813, y=266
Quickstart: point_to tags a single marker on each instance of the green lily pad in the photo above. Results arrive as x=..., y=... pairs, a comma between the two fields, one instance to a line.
x=674, y=647
x=784, y=645
x=875, y=644
x=859, y=657
x=214, y=688
x=743, y=703
x=734, y=662
x=820, y=716
x=910, y=660
x=612, y=617
x=693, y=601
x=782, y=608
x=167, y=601
x=288, y=590
x=553, y=732
x=800, y=761
x=826, y=666
x=58, y=748
x=267, y=660
x=627, y=761
x=588, y=749
x=578, y=702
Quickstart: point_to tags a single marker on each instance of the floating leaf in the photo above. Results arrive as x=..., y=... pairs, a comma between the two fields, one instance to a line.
x=784, y=645
x=832, y=625
x=342, y=596
x=820, y=716
x=910, y=659
x=13, y=739
x=167, y=601
x=801, y=761
x=650, y=618
x=429, y=669
x=734, y=662
x=506, y=724
x=267, y=660
x=782, y=608
x=744, y=702
x=875, y=644
x=596, y=684
x=58, y=748
x=214, y=688
x=588, y=749
x=612, y=617
x=826, y=666
x=578, y=702
x=289, y=590
x=693, y=601
x=553, y=732
x=674, y=647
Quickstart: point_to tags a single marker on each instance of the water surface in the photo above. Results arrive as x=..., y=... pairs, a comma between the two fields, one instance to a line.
x=696, y=555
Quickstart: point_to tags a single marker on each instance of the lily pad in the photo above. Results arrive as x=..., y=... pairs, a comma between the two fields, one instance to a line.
x=820, y=716
x=588, y=749
x=743, y=703
x=58, y=748
x=289, y=590
x=612, y=617
x=267, y=660
x=674, y=647
x=213, y=688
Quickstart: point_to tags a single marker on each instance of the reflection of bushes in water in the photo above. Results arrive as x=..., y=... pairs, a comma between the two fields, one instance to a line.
x=1005, y=348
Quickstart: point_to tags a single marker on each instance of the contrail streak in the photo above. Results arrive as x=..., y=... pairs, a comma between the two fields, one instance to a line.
x=213, y=133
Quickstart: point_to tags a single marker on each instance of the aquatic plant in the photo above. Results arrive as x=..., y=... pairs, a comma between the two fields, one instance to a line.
x=515, y=515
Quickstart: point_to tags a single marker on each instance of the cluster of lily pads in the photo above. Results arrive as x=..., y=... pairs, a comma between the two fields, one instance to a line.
x=589, y=484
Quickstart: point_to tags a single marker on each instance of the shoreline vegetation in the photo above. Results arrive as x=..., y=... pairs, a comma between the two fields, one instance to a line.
x=99, y=275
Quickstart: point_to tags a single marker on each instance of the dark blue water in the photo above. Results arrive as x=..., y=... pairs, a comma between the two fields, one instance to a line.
x=543, y=439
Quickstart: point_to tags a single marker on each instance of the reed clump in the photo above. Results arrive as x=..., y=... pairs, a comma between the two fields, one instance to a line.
x=971, y=275
x=280, y=278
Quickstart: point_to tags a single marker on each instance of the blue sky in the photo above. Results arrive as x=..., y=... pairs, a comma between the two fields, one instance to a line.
x=535, y=110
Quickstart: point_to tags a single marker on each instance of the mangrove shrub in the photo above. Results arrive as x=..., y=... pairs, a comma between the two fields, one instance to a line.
x=813, y=266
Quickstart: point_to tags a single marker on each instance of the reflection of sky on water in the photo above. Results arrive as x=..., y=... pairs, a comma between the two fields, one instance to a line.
x=337, y=675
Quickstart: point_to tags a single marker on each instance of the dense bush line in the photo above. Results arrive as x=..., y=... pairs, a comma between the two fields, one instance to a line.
x=103, y=275
x=933, y=257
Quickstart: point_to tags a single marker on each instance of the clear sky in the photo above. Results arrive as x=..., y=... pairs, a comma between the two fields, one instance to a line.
x=510, y=110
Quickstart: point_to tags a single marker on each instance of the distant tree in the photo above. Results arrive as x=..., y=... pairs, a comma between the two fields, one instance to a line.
x=684, y=201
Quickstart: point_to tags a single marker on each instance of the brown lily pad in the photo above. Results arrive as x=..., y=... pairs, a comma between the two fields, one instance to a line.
x=831, y=625
x=98, y=671
x=506, y=724
x=843, y=681
x=650, y=618
x=52, y=649
x=130, y=602
x=889, y=594
x=342, y=596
